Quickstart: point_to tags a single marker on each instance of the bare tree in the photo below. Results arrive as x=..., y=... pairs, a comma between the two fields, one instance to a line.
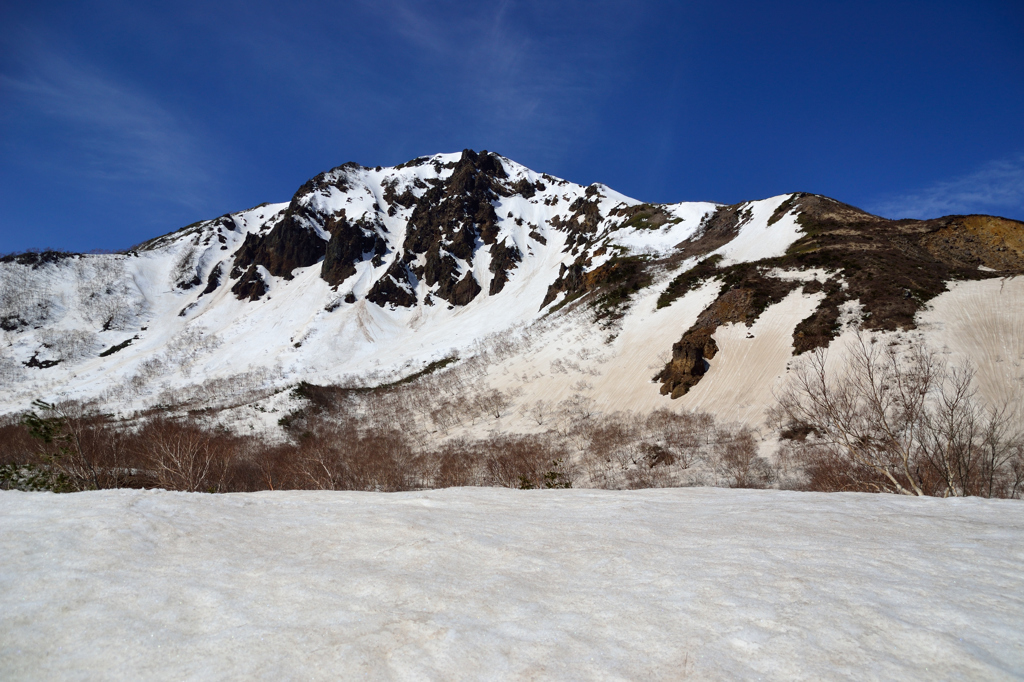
x=901, y=422
x=71, y=441
x=493, y=402
x=538, y=412
x=739, y=458
x=182, y=457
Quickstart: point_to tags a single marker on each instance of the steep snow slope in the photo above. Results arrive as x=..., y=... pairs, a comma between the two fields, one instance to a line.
x=370, y=274
x=751, y=363
x=302, y=328
x=470, y=583
x=983, y=323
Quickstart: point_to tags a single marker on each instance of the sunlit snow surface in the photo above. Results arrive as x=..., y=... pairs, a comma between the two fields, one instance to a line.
x=180, y=337
x=497, y=584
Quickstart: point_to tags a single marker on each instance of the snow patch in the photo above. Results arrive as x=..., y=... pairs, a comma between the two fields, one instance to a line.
x=757, y=239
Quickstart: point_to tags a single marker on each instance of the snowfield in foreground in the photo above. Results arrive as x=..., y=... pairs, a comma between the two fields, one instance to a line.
x=497, y=584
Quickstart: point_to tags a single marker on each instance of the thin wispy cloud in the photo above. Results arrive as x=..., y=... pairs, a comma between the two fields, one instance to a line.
x=510, y=79
x=122, y=136
x=997, y=187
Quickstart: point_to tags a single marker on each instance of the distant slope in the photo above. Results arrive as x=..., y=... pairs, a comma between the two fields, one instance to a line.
x=370, y=274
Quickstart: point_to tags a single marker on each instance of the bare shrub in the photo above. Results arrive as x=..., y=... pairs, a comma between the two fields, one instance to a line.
x=677, y=438
x=538, y=412
x=268, y=468
x=11, y=371
x=26, y=295
x=456, y=463
x=826, y=470
x=16, y=443
x=214, y=394
x=740, y=461
x=69, y=345
x=184, y=268
x=446, y=414
x=335, y=456
x=107, y=295
x=525, y=462
x=493, y=402
x=183, y=456
x=653, y=450
x=79, y=443
x=900, y=421
x=617, y=442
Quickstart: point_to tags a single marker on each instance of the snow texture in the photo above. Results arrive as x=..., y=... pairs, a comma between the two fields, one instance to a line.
x=135, y=332
x=498, y=584
x=757, y=239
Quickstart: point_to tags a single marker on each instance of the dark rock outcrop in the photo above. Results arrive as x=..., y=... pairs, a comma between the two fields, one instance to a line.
x=351, y=243
x=582, y=222
x=465, y=290
x=743, y=298
x=395, y=288
x=689, y=363
x=287, y=246
x=213, y=281
x=450, y=220
x=293, y=242
x=250, y=285
x=504, y=258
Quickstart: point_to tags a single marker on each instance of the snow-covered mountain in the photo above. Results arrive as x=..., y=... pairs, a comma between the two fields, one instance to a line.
x=371, y=274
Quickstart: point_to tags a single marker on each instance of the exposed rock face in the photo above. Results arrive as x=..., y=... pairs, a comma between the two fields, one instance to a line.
x=350, y=243
x=717, y=230
x=250, y=286
x=571, y=279
x=977, y=240
x=451, y=217
x=449, y=221
x=287, y=246
x=891, y=268
x=213, y=281
x=503, y=259
x=688, y=364
x=292, y=243
x=582, y=222
x=394, y=288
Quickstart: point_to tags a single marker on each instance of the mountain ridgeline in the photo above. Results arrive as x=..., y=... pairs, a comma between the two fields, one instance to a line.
x=450, y=219
x=365, y=265
x=890, y=267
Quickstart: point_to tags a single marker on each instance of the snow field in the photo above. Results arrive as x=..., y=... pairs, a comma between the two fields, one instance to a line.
x=498, y=584
x=751, y=363
x=982, y=322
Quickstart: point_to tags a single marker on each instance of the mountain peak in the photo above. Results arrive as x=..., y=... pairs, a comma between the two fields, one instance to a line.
x=374, y=269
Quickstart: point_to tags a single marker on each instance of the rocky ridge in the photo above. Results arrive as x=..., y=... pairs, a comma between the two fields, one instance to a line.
x=451, y=232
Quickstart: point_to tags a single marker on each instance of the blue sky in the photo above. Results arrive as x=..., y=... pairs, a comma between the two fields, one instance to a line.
x=123, y=120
